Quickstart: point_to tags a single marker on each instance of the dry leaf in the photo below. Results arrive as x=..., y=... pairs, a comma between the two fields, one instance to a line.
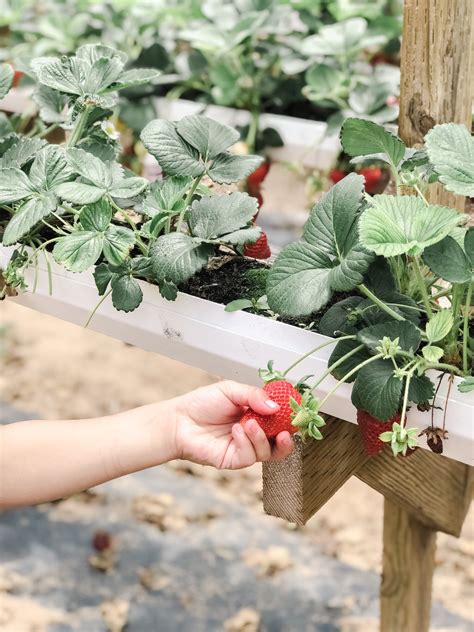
x=152, y=580
x=246, y=620
x=269, y=561
x=115, y=614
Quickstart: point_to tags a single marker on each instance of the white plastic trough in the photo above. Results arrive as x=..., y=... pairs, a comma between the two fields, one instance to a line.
x=231, y=345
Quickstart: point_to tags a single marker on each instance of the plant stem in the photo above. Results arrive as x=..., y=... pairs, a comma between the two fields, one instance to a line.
x=325, y=344
x=79, y=127
x=348, y=375
x=48, y=130
x=383, y=306
x=253, y=129
x=449, y=368
x=465, y=336
x=330, y=369
x=422, y=287
x=187, y=202
x=405, y=398
x=91, y=315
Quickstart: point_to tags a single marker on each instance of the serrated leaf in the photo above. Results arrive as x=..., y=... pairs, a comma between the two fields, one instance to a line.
x=126, y=293
x=6, y=79
x=351, y=269
x=177, y=257
x=14, y=185
x=27, y=216
x=431, y=353
x=90, y=168
x=118, y=242
x=336, y=319
x=50, y=168
x=102, y=277
x=361, y=138
x=440, y=325
x=469, y=244
x=21, y=152
x=213, y=216
x=168, y=290
x=96, y=216
x=175, y=155
x=209, y=137
x=67, y=74
x=451, y=151
x=51, y=104
x=92, y=52
x=325, y=83
x=332, y=222
x=228, y=168
x=243, y=236
x=238, y=304
x=408, y=335
x=78, y=251
x=128, y=187
x=343, y=348
x=103, y=72
x=134, y=77
x=166, y=195
x=467, y=385
x=421, y=389
x=298, y=283
x=448, y=260
x=79, y=192
x=377, y=391
x=404, y=225
x=400, y=303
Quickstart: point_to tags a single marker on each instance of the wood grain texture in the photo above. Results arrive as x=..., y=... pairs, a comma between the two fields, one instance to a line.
x=408, y=565
x=435, y=489
x=294, y=489
x=437, y=73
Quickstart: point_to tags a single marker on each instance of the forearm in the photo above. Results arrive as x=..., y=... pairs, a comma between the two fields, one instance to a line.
x=45, y=460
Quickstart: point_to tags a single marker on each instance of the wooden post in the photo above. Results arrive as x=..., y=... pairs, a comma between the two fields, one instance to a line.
x=408, y=564
x=437, y=73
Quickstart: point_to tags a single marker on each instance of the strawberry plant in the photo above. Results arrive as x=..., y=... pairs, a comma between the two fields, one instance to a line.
x=406, y=267
x=76, y=203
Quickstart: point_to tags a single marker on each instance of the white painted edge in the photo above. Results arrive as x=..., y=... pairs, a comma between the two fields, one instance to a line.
x=231, y=345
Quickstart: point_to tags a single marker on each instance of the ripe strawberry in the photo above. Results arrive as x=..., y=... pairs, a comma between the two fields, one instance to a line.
x=371, y=429
x=281, y=392
x=17, y=77
x=255, y=179
x=336, y=175
x=260, y=249
x=373, y=178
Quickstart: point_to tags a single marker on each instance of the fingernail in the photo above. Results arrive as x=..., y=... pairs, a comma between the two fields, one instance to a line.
x=270, y=404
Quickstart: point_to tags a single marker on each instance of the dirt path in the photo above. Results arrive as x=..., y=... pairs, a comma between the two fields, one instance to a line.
x=59, y=370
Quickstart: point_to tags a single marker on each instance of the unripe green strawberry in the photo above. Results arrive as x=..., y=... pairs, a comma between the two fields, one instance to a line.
x=281, y=392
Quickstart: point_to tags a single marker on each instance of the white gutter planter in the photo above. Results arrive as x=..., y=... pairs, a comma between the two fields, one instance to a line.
x=231, y=345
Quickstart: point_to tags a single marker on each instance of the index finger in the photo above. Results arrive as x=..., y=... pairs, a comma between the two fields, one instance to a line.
x=250, y=396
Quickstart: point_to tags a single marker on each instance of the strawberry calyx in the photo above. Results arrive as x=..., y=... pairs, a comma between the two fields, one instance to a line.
x=270, y=374
x=306, y=416
x=401, y=439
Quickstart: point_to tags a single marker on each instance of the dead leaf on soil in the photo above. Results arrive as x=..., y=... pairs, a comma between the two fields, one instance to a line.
x=115, y=614
x=246, y=620
x=152, y=580
x=268, y=562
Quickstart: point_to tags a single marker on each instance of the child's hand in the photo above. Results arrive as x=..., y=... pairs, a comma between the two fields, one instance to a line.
x=208, y=432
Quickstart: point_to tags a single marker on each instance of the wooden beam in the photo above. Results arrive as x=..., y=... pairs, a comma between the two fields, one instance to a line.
x=294, y=489
x=435, y=489
x=408, y=565
x=437, y=70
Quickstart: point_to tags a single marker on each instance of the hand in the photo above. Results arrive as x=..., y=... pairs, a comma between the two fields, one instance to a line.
x=208, y=432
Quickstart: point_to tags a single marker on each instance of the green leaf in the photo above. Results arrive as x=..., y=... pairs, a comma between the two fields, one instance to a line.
x=79, y=251
x=341, y=38
x=168, y=290
x=134, y=77
x=332, y=222
x=118, y=242
x=377, y=390
x=342, y=348
x=243, y=236
x=79, y=192
x=448, y=260
x=96, y=216
x=409, y=337
x=51, y=104
x=177, y=257
x=175, y=155
x=92, y=52
x=209, y=137
x=339, y=317
x=467, y=385
x=67, y=74
x=421, y=389
x=216, y=215
x=469, y=244
x=298, y=283
x=228, y=168
x=404, y=225
x=50, y=168
x=6, y=79
x=440, y=325
x=325, y=83
x=238, y=304
x=102, y=277
x=14, y=185
x=451, y=151
x=432, y=353
x=128, y=187
x=103, y=73
x=361, y=138
x=21, y=152
x=166, y=195
x=27, y=216
x=90, y=168
x=351, y=269
x=126, y=293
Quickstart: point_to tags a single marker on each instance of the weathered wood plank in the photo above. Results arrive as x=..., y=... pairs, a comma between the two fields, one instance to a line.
x=408, y=565
x=437, y=72
x=437, y=490
x=294, y=489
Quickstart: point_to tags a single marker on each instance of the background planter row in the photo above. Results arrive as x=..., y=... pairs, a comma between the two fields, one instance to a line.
x=231, y=345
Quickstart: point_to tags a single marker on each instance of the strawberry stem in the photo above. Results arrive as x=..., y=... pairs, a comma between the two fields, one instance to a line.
x=321, y=346
x=333, y=366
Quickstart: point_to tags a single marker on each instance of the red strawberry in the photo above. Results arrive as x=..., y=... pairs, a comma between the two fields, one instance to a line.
x=336, y=175
x=260, y=249
x=17, y=78
x=255, y=179
x=371, y=429
x=373, y=178
x=279, y=391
